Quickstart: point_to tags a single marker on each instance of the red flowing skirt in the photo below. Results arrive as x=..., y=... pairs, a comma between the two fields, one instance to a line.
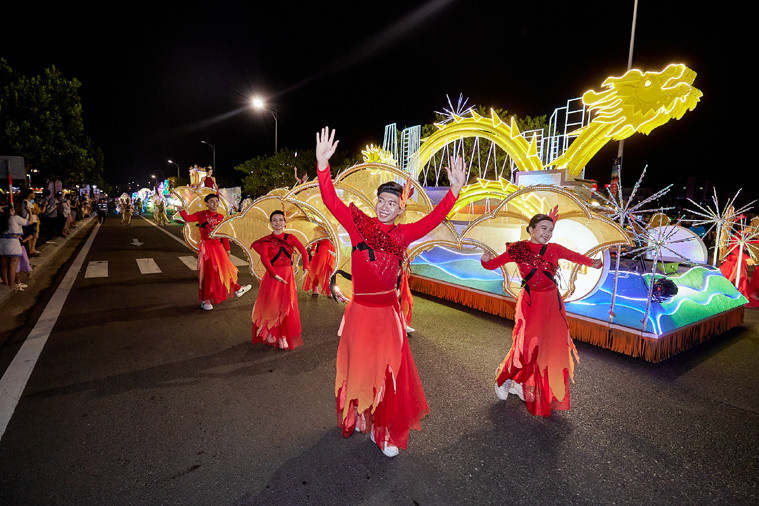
x=217, y=275
x=276, y=319
x=320, y=269
x=540, y=358
x=377, y=386
x=729, y=269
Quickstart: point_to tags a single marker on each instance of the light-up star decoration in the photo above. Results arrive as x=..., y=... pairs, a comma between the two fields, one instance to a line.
x=656, y=242
x=719, y=218
x=628, y=215
x=743, y=240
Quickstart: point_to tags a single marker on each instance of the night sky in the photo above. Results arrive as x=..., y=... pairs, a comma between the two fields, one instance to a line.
x=156, y=81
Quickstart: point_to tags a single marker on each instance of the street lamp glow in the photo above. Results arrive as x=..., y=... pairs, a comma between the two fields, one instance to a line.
x=259, y=104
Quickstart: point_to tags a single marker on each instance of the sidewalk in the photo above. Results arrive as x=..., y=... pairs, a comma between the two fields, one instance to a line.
x=48, y=251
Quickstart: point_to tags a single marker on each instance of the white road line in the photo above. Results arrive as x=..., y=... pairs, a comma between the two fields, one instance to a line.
x=148, y=266
x=190, y=261
x=238, y=262
x=17, y=375
x=97, y=269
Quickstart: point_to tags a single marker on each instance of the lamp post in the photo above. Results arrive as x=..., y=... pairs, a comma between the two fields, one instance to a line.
x=175, y=163
x=213, y=147
x=259, y=104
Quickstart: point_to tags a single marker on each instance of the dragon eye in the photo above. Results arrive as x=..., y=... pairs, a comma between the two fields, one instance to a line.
x=647, y=83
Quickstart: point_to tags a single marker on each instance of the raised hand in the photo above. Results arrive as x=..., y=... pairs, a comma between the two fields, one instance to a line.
x=325, y=148
x=486, y=257
x=456, y=174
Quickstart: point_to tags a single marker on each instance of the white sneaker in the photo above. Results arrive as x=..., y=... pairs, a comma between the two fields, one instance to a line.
x=516, y=389
x=242, y=291
x=206, y=305
x=388, y=450
x=502, y=392
x=409, y=330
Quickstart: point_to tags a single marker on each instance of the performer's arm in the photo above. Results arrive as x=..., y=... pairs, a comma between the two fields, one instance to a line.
x=303, y=253
x=575, y=257
x=189, y=217
x=262, y=249
x=457, y=178
x=491, y=263
x=325, y=148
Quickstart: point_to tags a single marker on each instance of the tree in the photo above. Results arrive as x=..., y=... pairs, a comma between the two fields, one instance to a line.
x=267, y=172
x=41, y=120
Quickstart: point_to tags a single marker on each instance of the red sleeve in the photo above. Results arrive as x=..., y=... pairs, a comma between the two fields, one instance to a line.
x=189, y=217
x=497, y=261
x=262, y=249
x=572, y=256
x=303, y=253
x=418, y=229
x=225, y=243
x=336, y=206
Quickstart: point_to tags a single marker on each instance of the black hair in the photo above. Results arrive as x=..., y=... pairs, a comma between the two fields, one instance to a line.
x=211, y=196
x=390, y=187
x=277, y=212
x=537, y=219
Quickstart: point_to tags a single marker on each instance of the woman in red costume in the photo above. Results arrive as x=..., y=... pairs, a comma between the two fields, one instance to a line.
x=730, y=267
x=377, y=386
x=217, y=275
x=539, y=364
x=320, y=268
x=209, y=181
x=276, y=320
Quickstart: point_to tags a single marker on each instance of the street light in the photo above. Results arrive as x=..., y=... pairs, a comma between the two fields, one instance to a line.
x=175, y=163
x=213, y=146
x=257, y=103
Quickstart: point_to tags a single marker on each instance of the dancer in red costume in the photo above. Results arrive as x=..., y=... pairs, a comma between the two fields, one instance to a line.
x=377, y=386
x=276, y=320
x=209, y=181
x=539, y=364
x=321, y=265
x=217, y=276
x=729, y=268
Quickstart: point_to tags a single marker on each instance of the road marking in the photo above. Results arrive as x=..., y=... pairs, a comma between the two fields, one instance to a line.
x=238, y=262
x=97, y=269
x=190, y=261
x=148, y=266
x=136, y=242
x=17, y=375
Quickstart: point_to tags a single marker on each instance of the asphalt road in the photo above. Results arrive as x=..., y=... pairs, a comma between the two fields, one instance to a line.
x=141, y=397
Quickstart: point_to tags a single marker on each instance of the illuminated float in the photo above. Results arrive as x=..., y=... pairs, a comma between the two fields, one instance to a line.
x=629, y=306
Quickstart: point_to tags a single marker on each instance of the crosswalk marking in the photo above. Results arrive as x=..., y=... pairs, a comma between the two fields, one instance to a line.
x=190, y=261
x=148, y=266
x=97, y=269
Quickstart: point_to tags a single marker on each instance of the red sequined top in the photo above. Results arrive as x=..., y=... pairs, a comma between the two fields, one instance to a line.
x=272, y=249
x=375, y=280
x=525, y=254
x=207, y=221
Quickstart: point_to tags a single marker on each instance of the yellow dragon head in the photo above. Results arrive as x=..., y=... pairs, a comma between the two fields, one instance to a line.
x=640, y=102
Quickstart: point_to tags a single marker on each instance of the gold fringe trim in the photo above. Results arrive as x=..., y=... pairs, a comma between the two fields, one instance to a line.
x=469, y=297
x=595, y=332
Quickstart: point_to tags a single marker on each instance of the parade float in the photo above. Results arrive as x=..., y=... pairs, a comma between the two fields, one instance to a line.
x=656, y=294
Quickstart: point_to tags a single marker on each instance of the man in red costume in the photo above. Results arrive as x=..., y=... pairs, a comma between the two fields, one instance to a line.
x=217, y=275
x=539, y=364
x=377, y=386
